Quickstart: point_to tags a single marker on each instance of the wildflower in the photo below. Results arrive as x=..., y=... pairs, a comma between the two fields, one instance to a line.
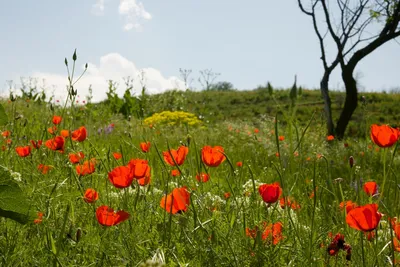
x=76, y=158
x=44, y=169
x=256, y=130
x=175, y=173
x=281, y=138
x=106, y=216
x=351, y=161
x=312, y=195
x=145, y=146
x=288, y=202
x=146, y=179
x=227, y=195
x=64, y=133
x=396, y=244
x=23, y=151
x=273, y=231
x=57, y=119
x=88, y=167
x=369, y=235
x=202, y=177
x=277, y=154
x=121, y=177
x=330, y=138
x=79, y=135
x=384, y=135
x=348, y=204
x=117, y=155
x=139, y=168
x=338, y=244
x=177, y=201
x=90, y=195
x=39, y=219
x=370, y=188
x=213, y=156
x=364, y=218
x=176, y=156
x=270, y=193
x=52, y=130
x=239, y=164
x=56, y=143
x=6, y=134
x=36, y=144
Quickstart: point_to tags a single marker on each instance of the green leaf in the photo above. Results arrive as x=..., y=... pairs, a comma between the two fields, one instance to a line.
x=13, y=203
x=3, y=116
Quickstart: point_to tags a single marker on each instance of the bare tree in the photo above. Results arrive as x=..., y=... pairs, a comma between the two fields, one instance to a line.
x=352, y=26
x=185, y=73
x=207, y=78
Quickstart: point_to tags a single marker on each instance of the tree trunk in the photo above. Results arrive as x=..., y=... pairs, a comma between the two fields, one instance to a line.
x=350, y=103
x=327, y=102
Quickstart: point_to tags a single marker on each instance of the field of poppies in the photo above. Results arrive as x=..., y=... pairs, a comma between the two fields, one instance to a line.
x=81, y=186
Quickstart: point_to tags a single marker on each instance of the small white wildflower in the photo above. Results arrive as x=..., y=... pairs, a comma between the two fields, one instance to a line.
x=16, y=176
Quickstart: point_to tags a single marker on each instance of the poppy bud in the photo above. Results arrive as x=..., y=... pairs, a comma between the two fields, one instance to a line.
x=351, y=161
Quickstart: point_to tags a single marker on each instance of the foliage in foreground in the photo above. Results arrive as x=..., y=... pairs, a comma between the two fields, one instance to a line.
x=227, y=221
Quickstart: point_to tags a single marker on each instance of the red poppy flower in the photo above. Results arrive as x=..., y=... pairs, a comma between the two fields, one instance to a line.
x=281, y=138
x=256, y=130
x=64, y=133
x=57, y=119
x=146, y=179
x=270, y=193
x=145, y=146
x=348, y=204
x=139, y=168
x=177, y=201
x=178, y=155
x=384, y=135
x=396, y=244
x=212, y=156
x=88, y=167
x=39, y=219
x=175, y=173
x=202, y=177
x=106, y=216
x=117, y=155
x=44, y=169
x=56, y=143
x=36, y=144
x=23, y=151
x=6, y=134
x=364, y=218
x=273, y=232
x=370, y=188
x=330, y=138
x=79, y=135
x=90, y=196
x=76, y=158
x=288, y=202
x=52, y=130
x=121, y=177
x=239, y=164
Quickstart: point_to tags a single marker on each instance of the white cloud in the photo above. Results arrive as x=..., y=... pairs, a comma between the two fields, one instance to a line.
x=98, y=8
x=133, y=13
x=114, y=67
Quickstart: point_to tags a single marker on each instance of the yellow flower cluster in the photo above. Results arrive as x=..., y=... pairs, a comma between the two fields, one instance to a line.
x=173, y=118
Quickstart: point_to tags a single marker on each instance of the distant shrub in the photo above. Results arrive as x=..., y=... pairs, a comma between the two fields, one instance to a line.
x=173, y=118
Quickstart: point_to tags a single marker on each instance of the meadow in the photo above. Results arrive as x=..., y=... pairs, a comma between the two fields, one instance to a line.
x=82, y=185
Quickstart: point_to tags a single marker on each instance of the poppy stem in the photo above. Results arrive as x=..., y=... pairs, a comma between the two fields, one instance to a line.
x=384, y=174
x=362, y=247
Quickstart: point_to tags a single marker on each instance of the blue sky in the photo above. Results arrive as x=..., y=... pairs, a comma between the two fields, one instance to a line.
x=248, y=42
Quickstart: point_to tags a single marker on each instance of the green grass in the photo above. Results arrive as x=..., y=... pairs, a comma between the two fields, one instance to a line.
x=212, y=231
